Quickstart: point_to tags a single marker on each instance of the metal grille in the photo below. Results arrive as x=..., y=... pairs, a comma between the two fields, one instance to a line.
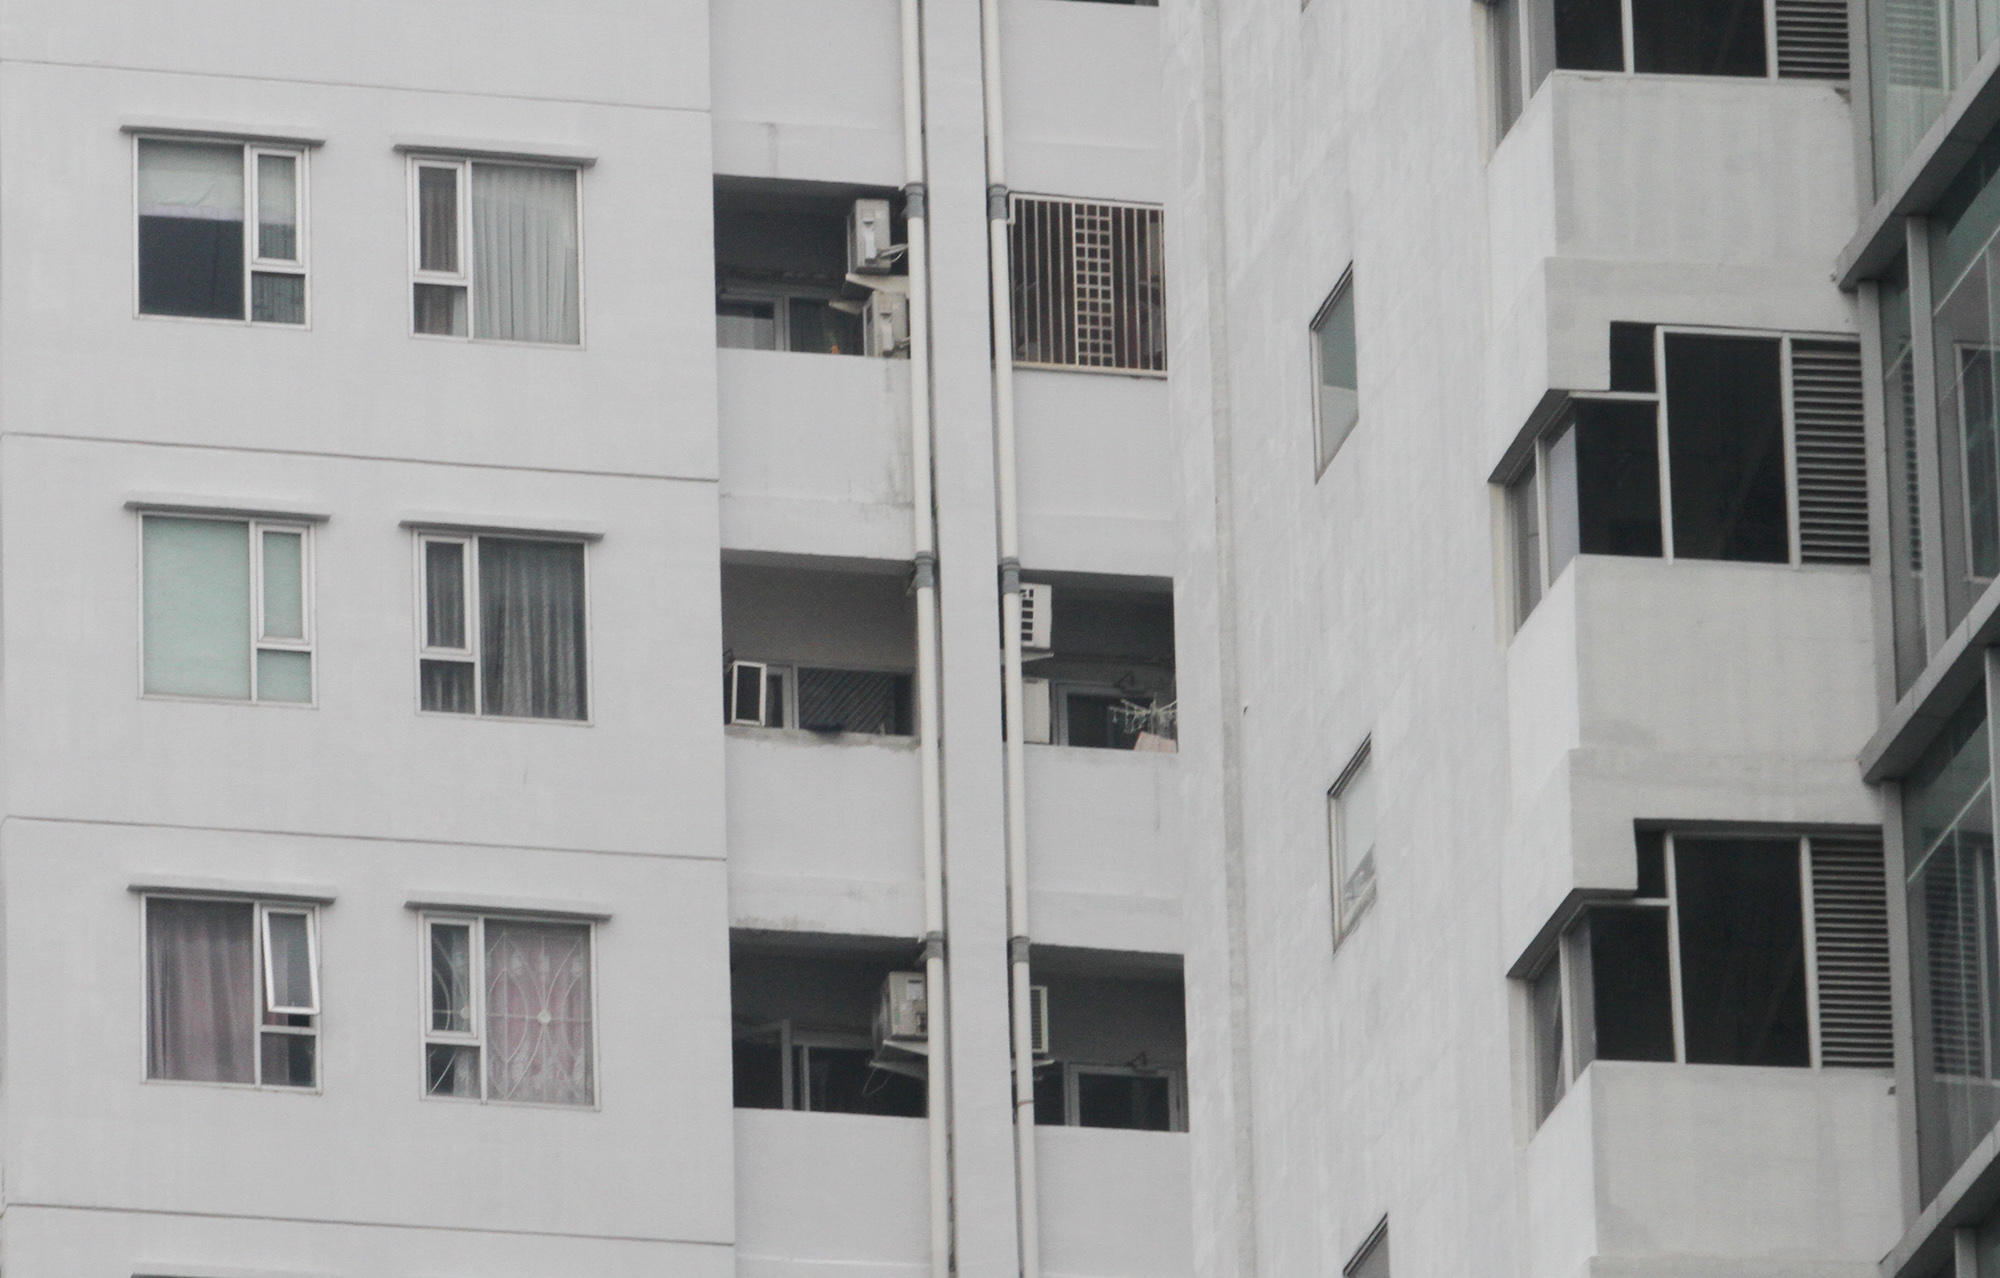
x=1832, y=452
x=1851, y=934
x=853, y=701
x=1812, y=39
x=1914, y=493
x=1088, y=286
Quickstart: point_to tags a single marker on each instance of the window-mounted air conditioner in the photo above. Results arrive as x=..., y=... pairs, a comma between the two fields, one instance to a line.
x=869, y=241
x=1038, y=1020
x=1037, y=611
x=885, y=314
x=748, y=702
x=902, y=1017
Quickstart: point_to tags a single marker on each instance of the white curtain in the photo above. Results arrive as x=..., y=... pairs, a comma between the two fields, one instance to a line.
x=524, y=251
x=201, y=991
x=531, y=628
x=538, y=1012
x=197, y=607
x=191, y=179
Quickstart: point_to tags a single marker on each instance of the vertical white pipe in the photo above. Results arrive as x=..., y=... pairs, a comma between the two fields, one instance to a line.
x=1001, y=290
x=924, y=542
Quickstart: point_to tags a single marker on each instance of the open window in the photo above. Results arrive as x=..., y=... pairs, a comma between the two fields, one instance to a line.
x=1115, y=1047
x=1749, y=948
x=222, y=231
x=828, y=1024
x=232, y=991
x=819, y=647
x=1710, y=444
x=1098, y=656
x=812, y=267
x=1350, y=818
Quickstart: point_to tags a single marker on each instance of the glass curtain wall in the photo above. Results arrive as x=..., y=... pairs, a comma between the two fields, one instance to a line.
x=1948, y=849
x=1965, y=292
x=1917, y=50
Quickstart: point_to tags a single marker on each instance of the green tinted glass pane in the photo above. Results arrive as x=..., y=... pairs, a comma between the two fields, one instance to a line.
x=284, y=585
x=284, y=676
x=197, y=607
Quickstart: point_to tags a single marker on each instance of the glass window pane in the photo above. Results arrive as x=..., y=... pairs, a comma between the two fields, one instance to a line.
x=451, y=1070
x=289, y=1060
x=1631, y=992
x=284, y=675
x=1742, y=945
x=1968, y=455
x=1698, y=37
x=437, y=220
x=1726, y=448
x=1617, y=479
x=1373, y=1263
x=197, y=607
x=277, y=298
x=1355, y=814
x=1632, y=358
x=1338, y=402
x=1133, y=1102
x=746, y=325
x=191, y=229
x=1525, y=520
x=759, y=1072
x=524, y=246
x=538, y=1012
x=1559, y=479
x=1910, y=75
x=1545, y=1011
x=531, y=628
x=844, y=1080
x=278, y=208
x=288, y=957
x=444, y=594
x=1590, y=35
x=1652, y=850
x=451, y=978
x=201, y=990
x=816, y=327
x=440, y=310
x=1051, y=1103
x=284, y=585
x=448, y=686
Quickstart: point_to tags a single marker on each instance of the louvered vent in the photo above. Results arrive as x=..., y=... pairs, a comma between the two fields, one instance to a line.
x=1851, y=933
x=1912, y=44
x=1812, y=39
x=1088, y=285
x=1832, y=452
x=1914, y=492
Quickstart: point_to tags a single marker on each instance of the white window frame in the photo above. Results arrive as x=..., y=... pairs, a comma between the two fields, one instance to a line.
x=1769, y=7
x=259, y=642
x=1322, y=456
x=1351, y=902
x=253, y=263
x=1176, y=1089
x=476, y=1036
x=261, y=1002
x=470, y=655
x=464, y=276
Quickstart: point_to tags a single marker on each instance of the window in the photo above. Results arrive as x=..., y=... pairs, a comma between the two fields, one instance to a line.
x=1089, y=285
x=495, y=252
x=818, y=699
x=226, y=609
x=1736, y=949
x=1917, y=50
x=509, y=1014
x=1336, y=399
x=1138, y=1098
x=502, y=627
x=232, y=992
x=1756, y=443
x=195, y=258
x=813, y=1027
x=1954, y=957
x=1350, y=808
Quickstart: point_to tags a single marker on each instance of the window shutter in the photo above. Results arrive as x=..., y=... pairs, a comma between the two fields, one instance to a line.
x=1851, y=934
x=1087, y=287
x=1812, y=39
x=1832, y=452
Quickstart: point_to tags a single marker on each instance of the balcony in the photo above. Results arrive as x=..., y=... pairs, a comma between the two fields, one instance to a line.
x=1115, y=1204
x=819, y=1193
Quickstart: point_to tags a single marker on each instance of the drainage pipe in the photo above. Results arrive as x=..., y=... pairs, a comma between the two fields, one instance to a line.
x=1000, y=287
x=924, y=587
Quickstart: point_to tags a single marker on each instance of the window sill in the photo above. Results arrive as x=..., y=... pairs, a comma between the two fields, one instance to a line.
x=222, y=322
x=503, y=718
x=270, y=1089
x=448, y=339
x=175, y=698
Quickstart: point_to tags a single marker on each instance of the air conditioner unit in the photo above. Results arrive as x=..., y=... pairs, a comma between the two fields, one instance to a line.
x=1037, y=611
x=1038, y=1020
x=748, y=703
x=902, y=1018
x=869, y=246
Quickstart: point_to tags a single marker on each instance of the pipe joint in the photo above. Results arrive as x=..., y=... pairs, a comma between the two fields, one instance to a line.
x=1010, y=576
x=1018, y=948
x=923, y=573
x=996, y=203
x=914, y=200
x=933, y=946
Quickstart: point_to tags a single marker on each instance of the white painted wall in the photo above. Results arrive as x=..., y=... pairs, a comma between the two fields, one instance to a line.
x=826, y=1194
x=1114, y=1204
x=808, y=91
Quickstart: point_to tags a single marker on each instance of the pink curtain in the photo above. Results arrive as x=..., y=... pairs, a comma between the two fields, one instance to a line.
x=201, y=991
x=538, y=1012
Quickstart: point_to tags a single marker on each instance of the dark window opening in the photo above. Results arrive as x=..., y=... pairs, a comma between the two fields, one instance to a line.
x=1632, y=989
x=831, y=649
x=1617, y=482
x=809, y=267
x=1590, y=35
x=1116, y=1040
x=1100, y=674
x=1632, y=357
x=804, y=1008
x=1742, y=946
x=1726, y=448
x=1698, y=37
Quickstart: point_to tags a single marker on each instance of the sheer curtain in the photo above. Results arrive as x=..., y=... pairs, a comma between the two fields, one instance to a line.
x=538, y=1012
x=201, y=991
x=197, y=607
x=524, y=249
x=531, y=628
